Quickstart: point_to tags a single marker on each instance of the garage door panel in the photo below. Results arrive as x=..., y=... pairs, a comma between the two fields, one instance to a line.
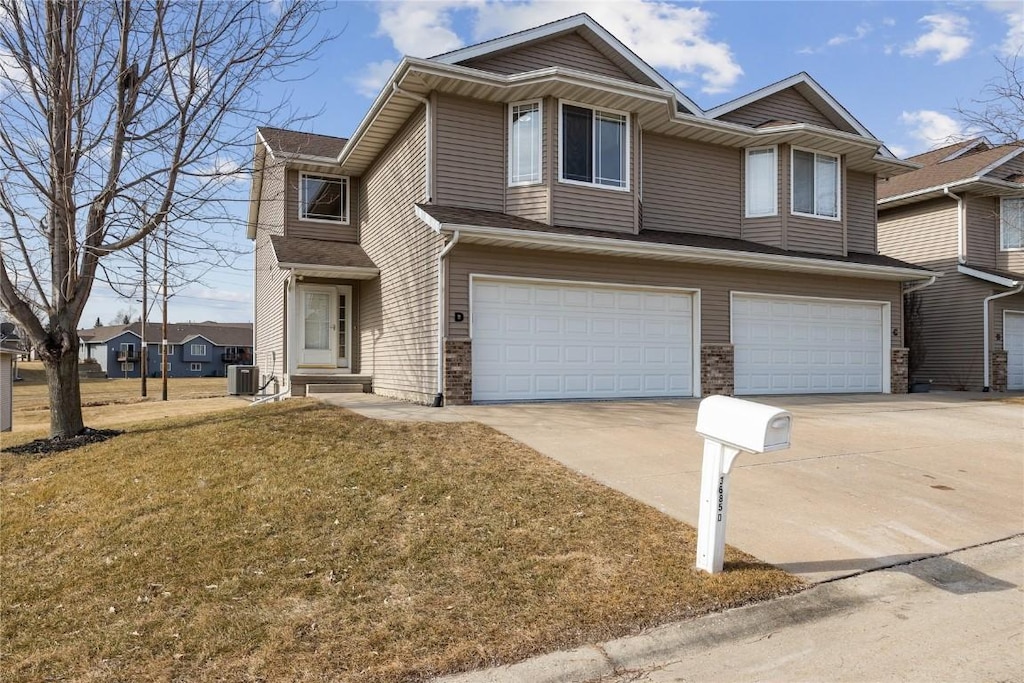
x=578, y=341
x=784, y=345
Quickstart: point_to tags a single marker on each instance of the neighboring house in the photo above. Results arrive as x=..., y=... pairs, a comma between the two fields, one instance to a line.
x=194, y=349
x=962, y=214
x=545, y=216
x=10, y=349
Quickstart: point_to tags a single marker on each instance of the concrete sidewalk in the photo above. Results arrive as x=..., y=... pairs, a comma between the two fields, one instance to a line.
x=958, y=617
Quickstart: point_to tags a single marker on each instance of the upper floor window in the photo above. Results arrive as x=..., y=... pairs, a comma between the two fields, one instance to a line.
x=198, y=350
x=815, y=184
x=524, y=135
x=1011, y=224
x=323, y=198
x=595, y=146
x=762, y=182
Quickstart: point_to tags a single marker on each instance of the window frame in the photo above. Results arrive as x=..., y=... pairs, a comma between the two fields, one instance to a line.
x=627, y=147
x=746, y=181
x=540, y=143
x=192, y=349
x=161, y=347
x=839, y=185
x=347, y=198
x=195, y=367
x=1002, y=234
x=127, y=366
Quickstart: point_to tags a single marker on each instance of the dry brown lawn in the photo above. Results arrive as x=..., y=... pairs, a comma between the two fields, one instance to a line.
x=301, y=542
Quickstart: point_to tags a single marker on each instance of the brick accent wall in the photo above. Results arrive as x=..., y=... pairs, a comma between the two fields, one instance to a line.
x=900, y=372
x=717, y=375
x=998, y=370
x=458, y=372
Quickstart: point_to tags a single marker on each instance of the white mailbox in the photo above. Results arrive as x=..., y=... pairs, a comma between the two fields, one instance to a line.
x=730, y=426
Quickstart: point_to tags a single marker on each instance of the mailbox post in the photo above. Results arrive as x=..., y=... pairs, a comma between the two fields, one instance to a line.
x=729, y=426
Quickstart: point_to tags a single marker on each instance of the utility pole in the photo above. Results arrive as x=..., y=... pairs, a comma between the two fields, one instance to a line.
x=144, y=356
x=163, y=357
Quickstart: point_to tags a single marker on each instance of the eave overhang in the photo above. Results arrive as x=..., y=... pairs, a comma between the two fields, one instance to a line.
x=986, y=187
x=333, y=272
x=655, y=108
x=610, y=246
x=1002, y=279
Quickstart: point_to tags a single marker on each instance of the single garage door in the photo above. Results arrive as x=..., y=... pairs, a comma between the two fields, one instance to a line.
x=1013, y=342
x=551, y=340
x=793, y=345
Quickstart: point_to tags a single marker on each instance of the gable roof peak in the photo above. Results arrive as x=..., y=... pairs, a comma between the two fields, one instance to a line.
x=582, y=23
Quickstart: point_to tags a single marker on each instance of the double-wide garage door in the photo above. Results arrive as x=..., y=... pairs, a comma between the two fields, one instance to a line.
x=796, y=345
x=1013, y=342
x=551, y=340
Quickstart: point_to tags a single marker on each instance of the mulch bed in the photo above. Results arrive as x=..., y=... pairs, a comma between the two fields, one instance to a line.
x=55, y=445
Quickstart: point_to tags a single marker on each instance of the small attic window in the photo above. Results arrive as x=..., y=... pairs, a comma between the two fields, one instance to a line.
x=323, y=198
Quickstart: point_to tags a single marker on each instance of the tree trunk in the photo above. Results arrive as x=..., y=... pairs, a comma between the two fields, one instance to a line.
x=65, y=393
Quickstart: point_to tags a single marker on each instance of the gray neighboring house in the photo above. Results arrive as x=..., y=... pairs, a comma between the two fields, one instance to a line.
x=10, y=349
x=962, y=214
x=545, y=216
x=195, y=349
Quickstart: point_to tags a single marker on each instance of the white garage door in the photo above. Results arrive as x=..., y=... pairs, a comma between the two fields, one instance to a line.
x=1013, y=342
x=544, y=340
x=807, y=346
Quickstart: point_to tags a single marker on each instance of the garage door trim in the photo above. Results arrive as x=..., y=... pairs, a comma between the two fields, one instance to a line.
x=695, y=322
x=888, y=331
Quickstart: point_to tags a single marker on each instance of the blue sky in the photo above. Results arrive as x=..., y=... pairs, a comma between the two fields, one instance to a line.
x=899, y=67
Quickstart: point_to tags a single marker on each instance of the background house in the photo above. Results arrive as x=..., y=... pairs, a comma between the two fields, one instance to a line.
x=195, y=349
x=10, y=349
x=962, y=214
x=544, y=215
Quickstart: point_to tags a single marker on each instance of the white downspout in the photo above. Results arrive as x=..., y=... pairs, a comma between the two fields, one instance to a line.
x=920, y=285
x=1016, y=290
x=429, y=154
x=961, y=242
x=442, y=296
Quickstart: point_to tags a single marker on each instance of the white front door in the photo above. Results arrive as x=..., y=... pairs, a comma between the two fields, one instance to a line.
x=317, y=327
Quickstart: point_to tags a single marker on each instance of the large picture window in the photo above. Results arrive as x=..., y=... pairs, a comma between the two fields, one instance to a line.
x=1011, y=224
x=524, y=154
x=762, y=182
x=815, y=184
x=595, y=146
x=323, y=198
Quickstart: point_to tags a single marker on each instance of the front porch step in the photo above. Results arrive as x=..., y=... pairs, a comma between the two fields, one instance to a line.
x=348, y=388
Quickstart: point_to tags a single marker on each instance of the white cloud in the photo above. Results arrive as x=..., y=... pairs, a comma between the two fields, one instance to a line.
x=374, y=76
x=932, y=129
x=948, y=36
x=670, y=38
x=899, y=150
x=1013, y=15
x=859, y=33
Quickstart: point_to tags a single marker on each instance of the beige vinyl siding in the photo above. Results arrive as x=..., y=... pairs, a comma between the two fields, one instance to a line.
x=861, y=212
x=569, y=50
x=596, y=208
x=786, y=105
x=767, y=229
x=715, y=282
x=398, y=330
x=470, y=153
x=269, y=280
x=982, y=230
x=1013, y=167
x=814, y=234
x=926, y=234
x=318, y=230
x=691, y=187
x=534, y=201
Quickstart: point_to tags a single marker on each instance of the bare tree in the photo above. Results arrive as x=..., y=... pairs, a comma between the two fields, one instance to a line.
x=999, y=111
x=116, y=118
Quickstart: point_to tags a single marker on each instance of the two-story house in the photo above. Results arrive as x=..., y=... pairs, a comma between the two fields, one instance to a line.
x=194, y=349
x=962, y=214
x=545, y=216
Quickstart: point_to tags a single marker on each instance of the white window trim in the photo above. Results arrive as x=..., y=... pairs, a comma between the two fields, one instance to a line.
x=839, y=185
x=1002, y=201
x=345, y=206
x=540, y=144
x=629, y=146
x=746, y=182
x=195, y=367
x=192, y=350
x=127, y=367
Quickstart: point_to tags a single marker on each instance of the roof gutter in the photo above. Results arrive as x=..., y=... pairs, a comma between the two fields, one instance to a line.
x=920, y=285
x=985, y=351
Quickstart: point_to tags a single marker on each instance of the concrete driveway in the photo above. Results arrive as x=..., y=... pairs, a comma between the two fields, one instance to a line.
x=870, y=481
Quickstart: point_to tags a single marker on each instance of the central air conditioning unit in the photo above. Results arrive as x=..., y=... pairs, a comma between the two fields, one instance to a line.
x=243, y=380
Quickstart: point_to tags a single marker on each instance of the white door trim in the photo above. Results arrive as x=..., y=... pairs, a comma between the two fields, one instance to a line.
x=1013, y=312
x=887, y=328
x=695, y=319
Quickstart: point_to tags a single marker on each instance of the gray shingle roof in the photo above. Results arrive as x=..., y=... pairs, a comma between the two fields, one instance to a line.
x=936, y=172
x=296, y=142
x=220, y=334
x=319, y=252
